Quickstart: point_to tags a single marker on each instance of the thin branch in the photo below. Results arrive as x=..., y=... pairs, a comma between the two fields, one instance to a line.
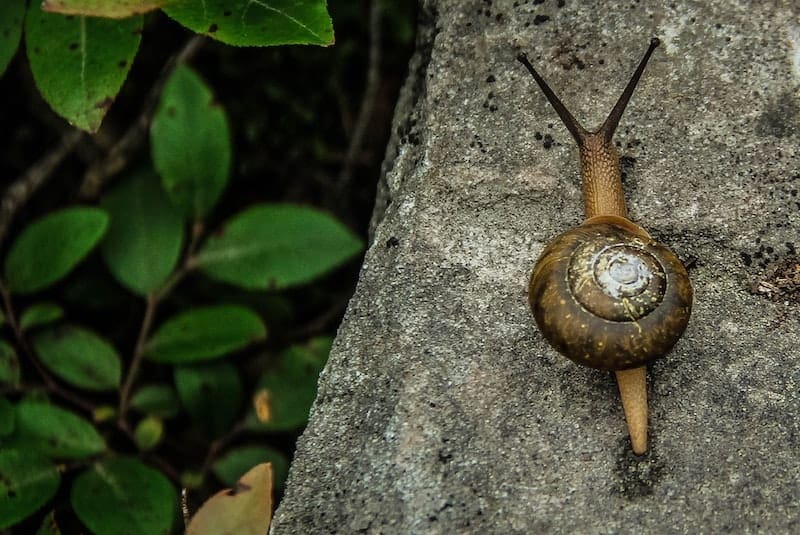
x=138, y=354
x=368, y=100
x=219, y=444
x=50, y=384
x=23, y=188
x=165, y=467
x=122, y=151
x=153, y=300
x=319, y=323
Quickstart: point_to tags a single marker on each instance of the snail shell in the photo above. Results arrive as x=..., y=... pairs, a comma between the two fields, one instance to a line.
x=608, y=296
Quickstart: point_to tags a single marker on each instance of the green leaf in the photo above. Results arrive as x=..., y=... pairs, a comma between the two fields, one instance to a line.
x=191, y=143
x=211, y=394
x=271, y=246
x=156, y=400
x=48, y=525
x=257, y=22
x=122, y=496
x=9, y=365
x=102, y=8
x=80, y=357
x=27, y=481
x=39, y=314
x=55, y=432
x=205, y=333
x=148, y=433
x=103, y=413
x=145, y=234
x=80, y=63
x=290, y=388
x=7, y=417
x=12, y=13
x=245, y=509
x=191, y=479
x=50, y=247
x=238, y=461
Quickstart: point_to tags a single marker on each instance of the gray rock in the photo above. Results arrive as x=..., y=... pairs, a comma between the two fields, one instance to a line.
x=442, y=409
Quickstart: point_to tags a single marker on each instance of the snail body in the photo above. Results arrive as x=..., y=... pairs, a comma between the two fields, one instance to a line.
x=605, y=294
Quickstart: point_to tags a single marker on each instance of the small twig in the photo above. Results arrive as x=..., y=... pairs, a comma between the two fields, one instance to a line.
x=138, y=354
x=165, y=467
x=117, y=158
x=153, y=300
x=318, y=324
x=344, y=109
x=50, y=384
x=219, y=444
x=186, y=266
x=34, y=178
x=368, y=100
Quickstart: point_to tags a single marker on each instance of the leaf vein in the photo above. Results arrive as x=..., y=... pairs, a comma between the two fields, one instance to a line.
x=83, y=58
x=232, y=253
x=282, y=13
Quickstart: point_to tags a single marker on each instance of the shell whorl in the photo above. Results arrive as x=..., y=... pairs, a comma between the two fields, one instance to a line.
x=608, y=298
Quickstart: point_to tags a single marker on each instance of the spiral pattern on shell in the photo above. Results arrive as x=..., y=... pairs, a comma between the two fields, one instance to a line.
x=608, y=298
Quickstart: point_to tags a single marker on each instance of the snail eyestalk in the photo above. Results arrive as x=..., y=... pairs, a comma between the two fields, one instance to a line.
x=574, y=127
x=611, y=122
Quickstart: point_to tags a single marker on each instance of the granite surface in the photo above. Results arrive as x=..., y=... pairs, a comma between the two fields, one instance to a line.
x=443, y=410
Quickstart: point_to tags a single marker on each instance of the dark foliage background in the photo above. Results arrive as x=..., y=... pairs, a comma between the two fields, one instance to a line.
x=293, y=111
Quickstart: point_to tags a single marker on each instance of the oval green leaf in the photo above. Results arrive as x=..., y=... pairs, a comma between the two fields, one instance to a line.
x=50, y=247
x=122, y=496
x=290, y=387
x=238, y=461
x=191, y=143
x=115, y=9
x=272, y=246
x=9, y=365
x=12, y=13
x=257, y=22
x=156, y=400
x=27, y=481
x=145, y=234
x=211, y=394
x=80, y=63
x=148, y=433
x=205, y=333
x=7, y=417
x=80, y=357
x=39, y=314
x=55, y=432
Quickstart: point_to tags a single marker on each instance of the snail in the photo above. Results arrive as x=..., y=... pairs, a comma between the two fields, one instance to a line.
x=606, y=294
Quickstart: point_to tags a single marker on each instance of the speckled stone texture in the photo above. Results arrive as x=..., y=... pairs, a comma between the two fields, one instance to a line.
x=443, y=410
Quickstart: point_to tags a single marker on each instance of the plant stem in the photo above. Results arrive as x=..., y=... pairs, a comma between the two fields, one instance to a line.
x=219, y=444
x=367, y=101
x=34, y=178
x=138, y=354
x=50, y=384
x=153, y=300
